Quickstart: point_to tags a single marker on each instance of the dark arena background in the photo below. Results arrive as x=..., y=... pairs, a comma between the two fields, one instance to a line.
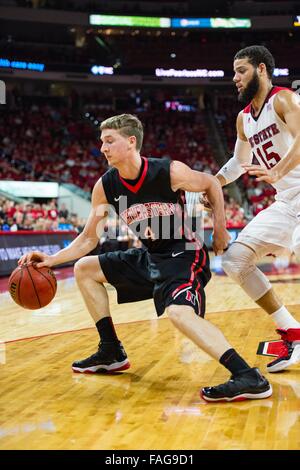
x=65, y=66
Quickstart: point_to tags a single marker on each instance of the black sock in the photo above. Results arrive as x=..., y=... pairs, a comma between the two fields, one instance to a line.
x=233, y=362
x=107, y=330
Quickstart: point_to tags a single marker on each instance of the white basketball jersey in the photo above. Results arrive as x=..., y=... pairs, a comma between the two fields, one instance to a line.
x=270, y=140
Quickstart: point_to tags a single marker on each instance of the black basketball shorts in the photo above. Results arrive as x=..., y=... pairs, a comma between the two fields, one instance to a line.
x=176, y=277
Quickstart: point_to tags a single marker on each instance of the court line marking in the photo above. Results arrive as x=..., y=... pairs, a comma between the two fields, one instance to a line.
x=74, y=331
x=121, y=323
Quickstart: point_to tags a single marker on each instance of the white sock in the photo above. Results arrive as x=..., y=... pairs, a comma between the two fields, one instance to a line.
x=284, y=319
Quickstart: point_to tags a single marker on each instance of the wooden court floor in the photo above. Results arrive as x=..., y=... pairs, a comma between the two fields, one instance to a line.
x=156, y=403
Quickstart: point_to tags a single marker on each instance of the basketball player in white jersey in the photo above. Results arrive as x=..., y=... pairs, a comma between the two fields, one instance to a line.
x=267, y=128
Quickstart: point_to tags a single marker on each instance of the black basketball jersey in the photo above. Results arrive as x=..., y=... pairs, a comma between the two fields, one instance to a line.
x=149, y=206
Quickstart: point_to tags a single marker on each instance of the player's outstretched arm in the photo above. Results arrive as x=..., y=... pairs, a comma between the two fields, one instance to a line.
x=182, y=177
x=233, y=169
x=287, y=106
x=84, y=243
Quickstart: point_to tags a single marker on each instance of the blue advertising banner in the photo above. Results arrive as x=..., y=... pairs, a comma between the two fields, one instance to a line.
x=15, y=244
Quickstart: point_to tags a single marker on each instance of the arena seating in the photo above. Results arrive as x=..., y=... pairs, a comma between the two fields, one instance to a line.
x=177, y=50
x=37, y=217
x=44, y=143
x=58, y=143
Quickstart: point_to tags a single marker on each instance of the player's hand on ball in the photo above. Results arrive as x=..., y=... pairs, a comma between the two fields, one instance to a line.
x=221, y=240
x=40, y=259
x=32, y=287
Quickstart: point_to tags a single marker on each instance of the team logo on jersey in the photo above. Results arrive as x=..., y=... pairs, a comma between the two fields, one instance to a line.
x=191, y=297
x=264, y=134
x=148, y=210
x=177, y=254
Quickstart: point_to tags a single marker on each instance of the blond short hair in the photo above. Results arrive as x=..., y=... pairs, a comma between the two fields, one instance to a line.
x=127, y=125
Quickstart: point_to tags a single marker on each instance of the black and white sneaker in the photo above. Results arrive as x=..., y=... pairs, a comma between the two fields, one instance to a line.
x=249, y=385
x=110, y=357
x=289, y=353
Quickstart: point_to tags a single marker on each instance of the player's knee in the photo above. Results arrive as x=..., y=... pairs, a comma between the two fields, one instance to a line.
x=232, y=267
x=81, y=268
x=178, y=314
x=87, y=268
x=237, y=262
x=174, y=313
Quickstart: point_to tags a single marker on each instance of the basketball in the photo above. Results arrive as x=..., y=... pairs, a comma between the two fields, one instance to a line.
x=32, y=287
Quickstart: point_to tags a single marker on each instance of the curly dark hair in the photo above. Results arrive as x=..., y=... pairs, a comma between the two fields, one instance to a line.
x=257, y=55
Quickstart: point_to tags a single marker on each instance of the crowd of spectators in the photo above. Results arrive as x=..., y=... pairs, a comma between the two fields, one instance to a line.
x=235, y=214
x=47, y=142
x=32, y=216
x=139, y=49
x=44, y=143
x=259, y=195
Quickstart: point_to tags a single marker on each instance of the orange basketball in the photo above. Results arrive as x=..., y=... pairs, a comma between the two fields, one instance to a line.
x=32, y=287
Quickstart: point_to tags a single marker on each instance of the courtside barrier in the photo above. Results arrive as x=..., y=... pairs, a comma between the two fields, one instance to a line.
x=15, y=244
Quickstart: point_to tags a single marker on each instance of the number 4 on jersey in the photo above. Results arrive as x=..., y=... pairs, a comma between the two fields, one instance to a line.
x=149, y=233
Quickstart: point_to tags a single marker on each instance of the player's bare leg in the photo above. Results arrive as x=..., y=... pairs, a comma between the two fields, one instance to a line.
x=203, y=333
x=90, y=280
x=111, y=355
x=245, y=383
x=239, y=263
x=270, y=302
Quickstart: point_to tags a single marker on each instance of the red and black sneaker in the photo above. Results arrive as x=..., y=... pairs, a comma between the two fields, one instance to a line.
x=110, y=357
x=248, y=385
x=289, y=353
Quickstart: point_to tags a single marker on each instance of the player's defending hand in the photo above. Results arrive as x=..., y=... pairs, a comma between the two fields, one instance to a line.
x=262, y=174
x=41, y=259
x=203, y=199
x=221, y=239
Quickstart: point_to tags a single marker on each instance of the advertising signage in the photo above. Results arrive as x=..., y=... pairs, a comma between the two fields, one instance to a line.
x=162, y=22
x=130, y=21
x=210, y=23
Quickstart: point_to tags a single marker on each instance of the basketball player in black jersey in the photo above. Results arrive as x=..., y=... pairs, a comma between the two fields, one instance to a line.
x=173, y=266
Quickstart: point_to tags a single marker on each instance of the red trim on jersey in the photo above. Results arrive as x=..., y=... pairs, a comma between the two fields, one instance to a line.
x=247, y=109
x=273, y=92
x=138, y=185
x=276, y=89
x=193, y=273
x=201, y=269
x=182, y=286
